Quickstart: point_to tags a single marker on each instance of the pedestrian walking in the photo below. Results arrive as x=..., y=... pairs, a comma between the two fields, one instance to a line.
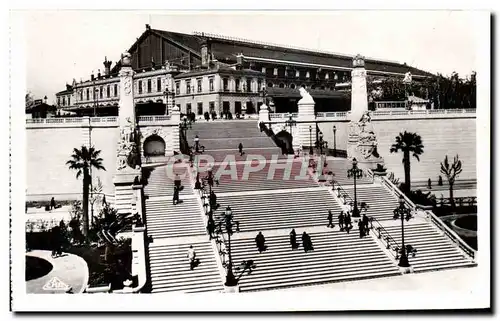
x=293, y=240
x=330, y=219
x=361, y=228
x=176, y=196
x=348, y=223
x=260, y=241
x=52, y=203
x=306, y=242
x=240, y=148
x=365, y=224
x=177, y=182
x=197, y=143
x=341, y=220
x=211, y=228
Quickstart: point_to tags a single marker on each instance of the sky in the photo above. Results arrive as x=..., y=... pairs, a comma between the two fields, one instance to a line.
x=62, y=45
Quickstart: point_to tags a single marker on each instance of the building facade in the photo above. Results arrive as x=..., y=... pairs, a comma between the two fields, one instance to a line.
x=204, y=73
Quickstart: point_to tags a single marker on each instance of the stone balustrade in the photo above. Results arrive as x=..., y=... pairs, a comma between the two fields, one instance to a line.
x=95, y=121
x=379, y=114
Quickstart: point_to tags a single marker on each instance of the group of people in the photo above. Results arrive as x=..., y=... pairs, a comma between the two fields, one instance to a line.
x=260, y=241
x=345, y=223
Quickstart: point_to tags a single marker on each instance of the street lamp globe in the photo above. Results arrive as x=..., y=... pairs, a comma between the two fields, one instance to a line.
x=401, y=200
x=354, y=161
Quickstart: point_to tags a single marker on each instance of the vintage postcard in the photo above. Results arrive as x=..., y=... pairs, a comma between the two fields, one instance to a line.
x=250, y=161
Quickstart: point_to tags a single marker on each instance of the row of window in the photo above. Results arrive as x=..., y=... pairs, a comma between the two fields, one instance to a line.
x=291, y=73
x=149, y=85
x=199, y=86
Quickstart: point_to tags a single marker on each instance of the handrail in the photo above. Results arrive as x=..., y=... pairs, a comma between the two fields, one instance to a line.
x=397, y=192
x=437, y=222
x=388, y=238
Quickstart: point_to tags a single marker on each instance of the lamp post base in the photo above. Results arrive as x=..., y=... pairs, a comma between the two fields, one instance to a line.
x=355, y=212
x=231, y=289
x=403, y=261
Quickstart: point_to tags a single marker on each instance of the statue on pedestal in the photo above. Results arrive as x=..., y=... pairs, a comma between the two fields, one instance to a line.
x=362, y=135
x=306, y=97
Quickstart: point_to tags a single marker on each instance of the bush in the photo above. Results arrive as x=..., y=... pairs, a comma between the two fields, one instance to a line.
x=207, y=116
x=229, y=115
x=214, y=116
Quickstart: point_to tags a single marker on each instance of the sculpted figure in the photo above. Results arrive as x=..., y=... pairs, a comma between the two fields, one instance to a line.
x=306, y=97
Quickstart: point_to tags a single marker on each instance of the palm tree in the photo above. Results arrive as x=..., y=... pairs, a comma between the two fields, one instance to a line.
x=451, y=171
x=408, y=143
x=82, y=160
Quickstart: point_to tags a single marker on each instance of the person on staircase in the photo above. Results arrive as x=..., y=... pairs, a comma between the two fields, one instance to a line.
x=306, y=242
x=176, y=196
x=197, y=144
x=341, y=220
x=192, y=257
x=240, y=149
x=260, y=241
x=330, y=219
x=177, y=182
x=293, y=240
x=211, y=228
x=213, y=200
x=361, y=228
x=197, y=184
x=365, y=224
x=348, y=222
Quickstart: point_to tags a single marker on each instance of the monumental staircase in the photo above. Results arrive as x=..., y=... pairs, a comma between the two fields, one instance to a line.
x=274, y=205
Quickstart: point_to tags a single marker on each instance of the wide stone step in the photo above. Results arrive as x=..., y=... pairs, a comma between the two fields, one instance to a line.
x=336, y=256
x=170, y=271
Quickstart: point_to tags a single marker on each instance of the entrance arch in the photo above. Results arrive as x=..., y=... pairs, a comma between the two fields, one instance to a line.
x=285, y=141
x=154, y=145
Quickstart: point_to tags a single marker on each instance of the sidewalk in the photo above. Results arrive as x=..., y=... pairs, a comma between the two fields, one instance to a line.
x=68, y=270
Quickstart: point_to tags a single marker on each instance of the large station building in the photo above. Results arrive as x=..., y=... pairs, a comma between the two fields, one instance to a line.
x=211, y=73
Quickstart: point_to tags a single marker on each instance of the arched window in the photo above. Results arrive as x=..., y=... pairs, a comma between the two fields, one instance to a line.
x=270, y=85
x=313, y=86
x=292, y=86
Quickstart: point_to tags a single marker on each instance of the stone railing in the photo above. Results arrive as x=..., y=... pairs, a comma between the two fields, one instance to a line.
x=153, y=118
x=433, y=218
x=390, y=104
x=95, y=121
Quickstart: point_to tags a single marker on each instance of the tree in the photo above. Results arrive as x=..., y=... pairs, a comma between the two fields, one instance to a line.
x=451, y=171
x=82, y=160
x=408, y=143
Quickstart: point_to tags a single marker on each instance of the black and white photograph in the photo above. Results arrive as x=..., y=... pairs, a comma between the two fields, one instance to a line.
x=169, y=160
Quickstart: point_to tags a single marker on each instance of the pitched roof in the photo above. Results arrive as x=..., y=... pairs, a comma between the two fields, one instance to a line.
x=226, y=49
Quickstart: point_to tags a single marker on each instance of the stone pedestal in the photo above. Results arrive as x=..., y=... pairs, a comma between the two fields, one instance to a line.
x=362, y=141
x=263, y=114
x=306, y=121
x=231, y=289
x=359, y=93
x=127, y=153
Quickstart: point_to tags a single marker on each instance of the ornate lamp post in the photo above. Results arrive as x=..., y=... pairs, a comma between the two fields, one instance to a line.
x=228, y=224
x=263, y=94
x=404, y=213
x=167, y=94
x=209, y=180
x=334, y=141
x=290, y=122
x=310, y=141
x=321, y=143
x=355, y=173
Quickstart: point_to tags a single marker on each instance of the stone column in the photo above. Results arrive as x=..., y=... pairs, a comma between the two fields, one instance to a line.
x=306, y=118
x=359, y=93
x=126, y=168
x=176, y=120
